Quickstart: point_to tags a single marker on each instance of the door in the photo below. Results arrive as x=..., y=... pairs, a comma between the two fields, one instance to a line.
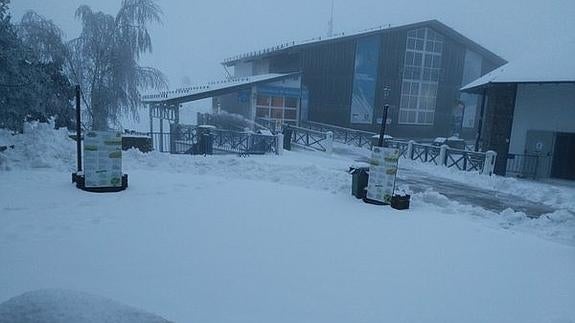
x=564, y=157
x=541, y=143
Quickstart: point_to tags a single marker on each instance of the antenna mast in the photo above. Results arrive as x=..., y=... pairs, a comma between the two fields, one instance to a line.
x=330, y=23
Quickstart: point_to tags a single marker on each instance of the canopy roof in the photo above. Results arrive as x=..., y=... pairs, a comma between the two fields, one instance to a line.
x=212, y=89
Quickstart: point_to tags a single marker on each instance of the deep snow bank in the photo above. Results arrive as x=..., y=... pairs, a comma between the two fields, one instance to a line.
x=40, y=146
x=60, y=306
x=43, y=147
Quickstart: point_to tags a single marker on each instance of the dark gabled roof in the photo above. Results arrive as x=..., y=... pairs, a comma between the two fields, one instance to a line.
x=434, y=24
x=213, y=89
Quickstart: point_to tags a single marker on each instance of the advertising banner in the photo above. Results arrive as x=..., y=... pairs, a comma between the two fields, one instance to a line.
x=365, y=80
x=103, y=159
x=382, y=172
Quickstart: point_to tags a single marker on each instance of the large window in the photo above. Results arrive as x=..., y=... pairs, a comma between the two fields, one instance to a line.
x=421, y=71
x=365, y=80
x=277, y=108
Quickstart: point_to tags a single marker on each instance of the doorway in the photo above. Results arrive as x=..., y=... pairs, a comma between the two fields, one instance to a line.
x=564, y=156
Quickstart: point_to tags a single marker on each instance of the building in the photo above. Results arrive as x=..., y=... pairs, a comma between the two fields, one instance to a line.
x=529, y=114
x=346, y=80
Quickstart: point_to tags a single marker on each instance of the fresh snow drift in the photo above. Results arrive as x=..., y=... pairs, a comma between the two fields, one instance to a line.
x=278, y=239
x=60, y=306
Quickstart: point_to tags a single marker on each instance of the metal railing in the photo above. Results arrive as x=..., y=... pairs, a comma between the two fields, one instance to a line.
x=160, y=141
x=317, y=140
x=184, y=139
x=343, y=135
x=402, y=146
x=272, y=125
x=465, y=160
x=243, y=142
x=426, y=153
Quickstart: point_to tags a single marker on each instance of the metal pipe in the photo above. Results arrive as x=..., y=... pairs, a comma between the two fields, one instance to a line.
x=78, y=130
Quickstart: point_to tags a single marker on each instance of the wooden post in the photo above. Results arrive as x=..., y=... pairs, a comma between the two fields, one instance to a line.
x=481, y=116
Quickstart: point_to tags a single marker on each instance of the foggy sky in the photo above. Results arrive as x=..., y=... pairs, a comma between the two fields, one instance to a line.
x=197, y=35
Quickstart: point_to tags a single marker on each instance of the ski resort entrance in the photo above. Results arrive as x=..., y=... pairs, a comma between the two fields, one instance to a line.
x=242, y=100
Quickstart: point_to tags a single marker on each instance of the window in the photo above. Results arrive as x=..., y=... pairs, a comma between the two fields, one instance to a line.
x=277, y=113
x=421, y=73
x=291, y=102
x=262, y=112
x=290, y=114
x=277, y=101
x=278, y=108
x=263, y=100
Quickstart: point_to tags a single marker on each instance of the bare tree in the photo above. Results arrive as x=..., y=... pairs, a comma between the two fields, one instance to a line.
x=104, y=60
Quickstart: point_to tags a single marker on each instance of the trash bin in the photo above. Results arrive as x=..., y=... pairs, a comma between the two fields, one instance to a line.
x=207, y=144
x=360, y=177
x=287, y=132
x=400, y=202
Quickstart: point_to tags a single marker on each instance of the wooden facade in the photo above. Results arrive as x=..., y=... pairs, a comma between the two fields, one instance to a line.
x=498, y=123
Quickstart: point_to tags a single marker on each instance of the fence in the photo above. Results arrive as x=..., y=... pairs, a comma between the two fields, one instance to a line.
x=186, y=139
x=317, y=140
x=243, y=142
x=274, y=126
x=343, y=135
x=444, y=156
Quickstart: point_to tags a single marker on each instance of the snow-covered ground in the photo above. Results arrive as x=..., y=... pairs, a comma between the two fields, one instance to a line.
x=63, y=306
x=274, y=239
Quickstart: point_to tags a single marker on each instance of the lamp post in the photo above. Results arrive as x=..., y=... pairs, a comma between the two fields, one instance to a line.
x=386, y=93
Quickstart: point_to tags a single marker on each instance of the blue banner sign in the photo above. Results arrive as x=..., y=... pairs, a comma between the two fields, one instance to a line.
x=365, y=79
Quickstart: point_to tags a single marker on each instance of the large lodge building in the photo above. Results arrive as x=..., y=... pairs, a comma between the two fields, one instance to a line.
x=346, y=80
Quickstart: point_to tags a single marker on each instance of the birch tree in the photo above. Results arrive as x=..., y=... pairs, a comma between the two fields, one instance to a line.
x=104, y=60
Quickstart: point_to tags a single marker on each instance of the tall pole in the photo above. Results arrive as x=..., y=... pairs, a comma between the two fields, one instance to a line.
x=78, y=130
x=381, y=142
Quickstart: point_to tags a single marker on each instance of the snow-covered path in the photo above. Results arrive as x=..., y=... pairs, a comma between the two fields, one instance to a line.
x=423, y=177
x=214, y=247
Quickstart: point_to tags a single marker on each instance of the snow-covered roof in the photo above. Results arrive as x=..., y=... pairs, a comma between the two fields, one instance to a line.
x=553, y=65
x=214, y=88
x=439, y=26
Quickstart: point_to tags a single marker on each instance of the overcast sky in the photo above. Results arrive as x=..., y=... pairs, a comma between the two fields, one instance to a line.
x=197, y=35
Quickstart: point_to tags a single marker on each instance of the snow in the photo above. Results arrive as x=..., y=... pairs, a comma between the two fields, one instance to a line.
x=39, y=147
x=62, y=306
x=280, y=239
x=213, y=86
x=548, y=64
x=558, y=196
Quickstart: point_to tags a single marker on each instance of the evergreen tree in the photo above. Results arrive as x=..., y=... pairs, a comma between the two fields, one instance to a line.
x=32, y=87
